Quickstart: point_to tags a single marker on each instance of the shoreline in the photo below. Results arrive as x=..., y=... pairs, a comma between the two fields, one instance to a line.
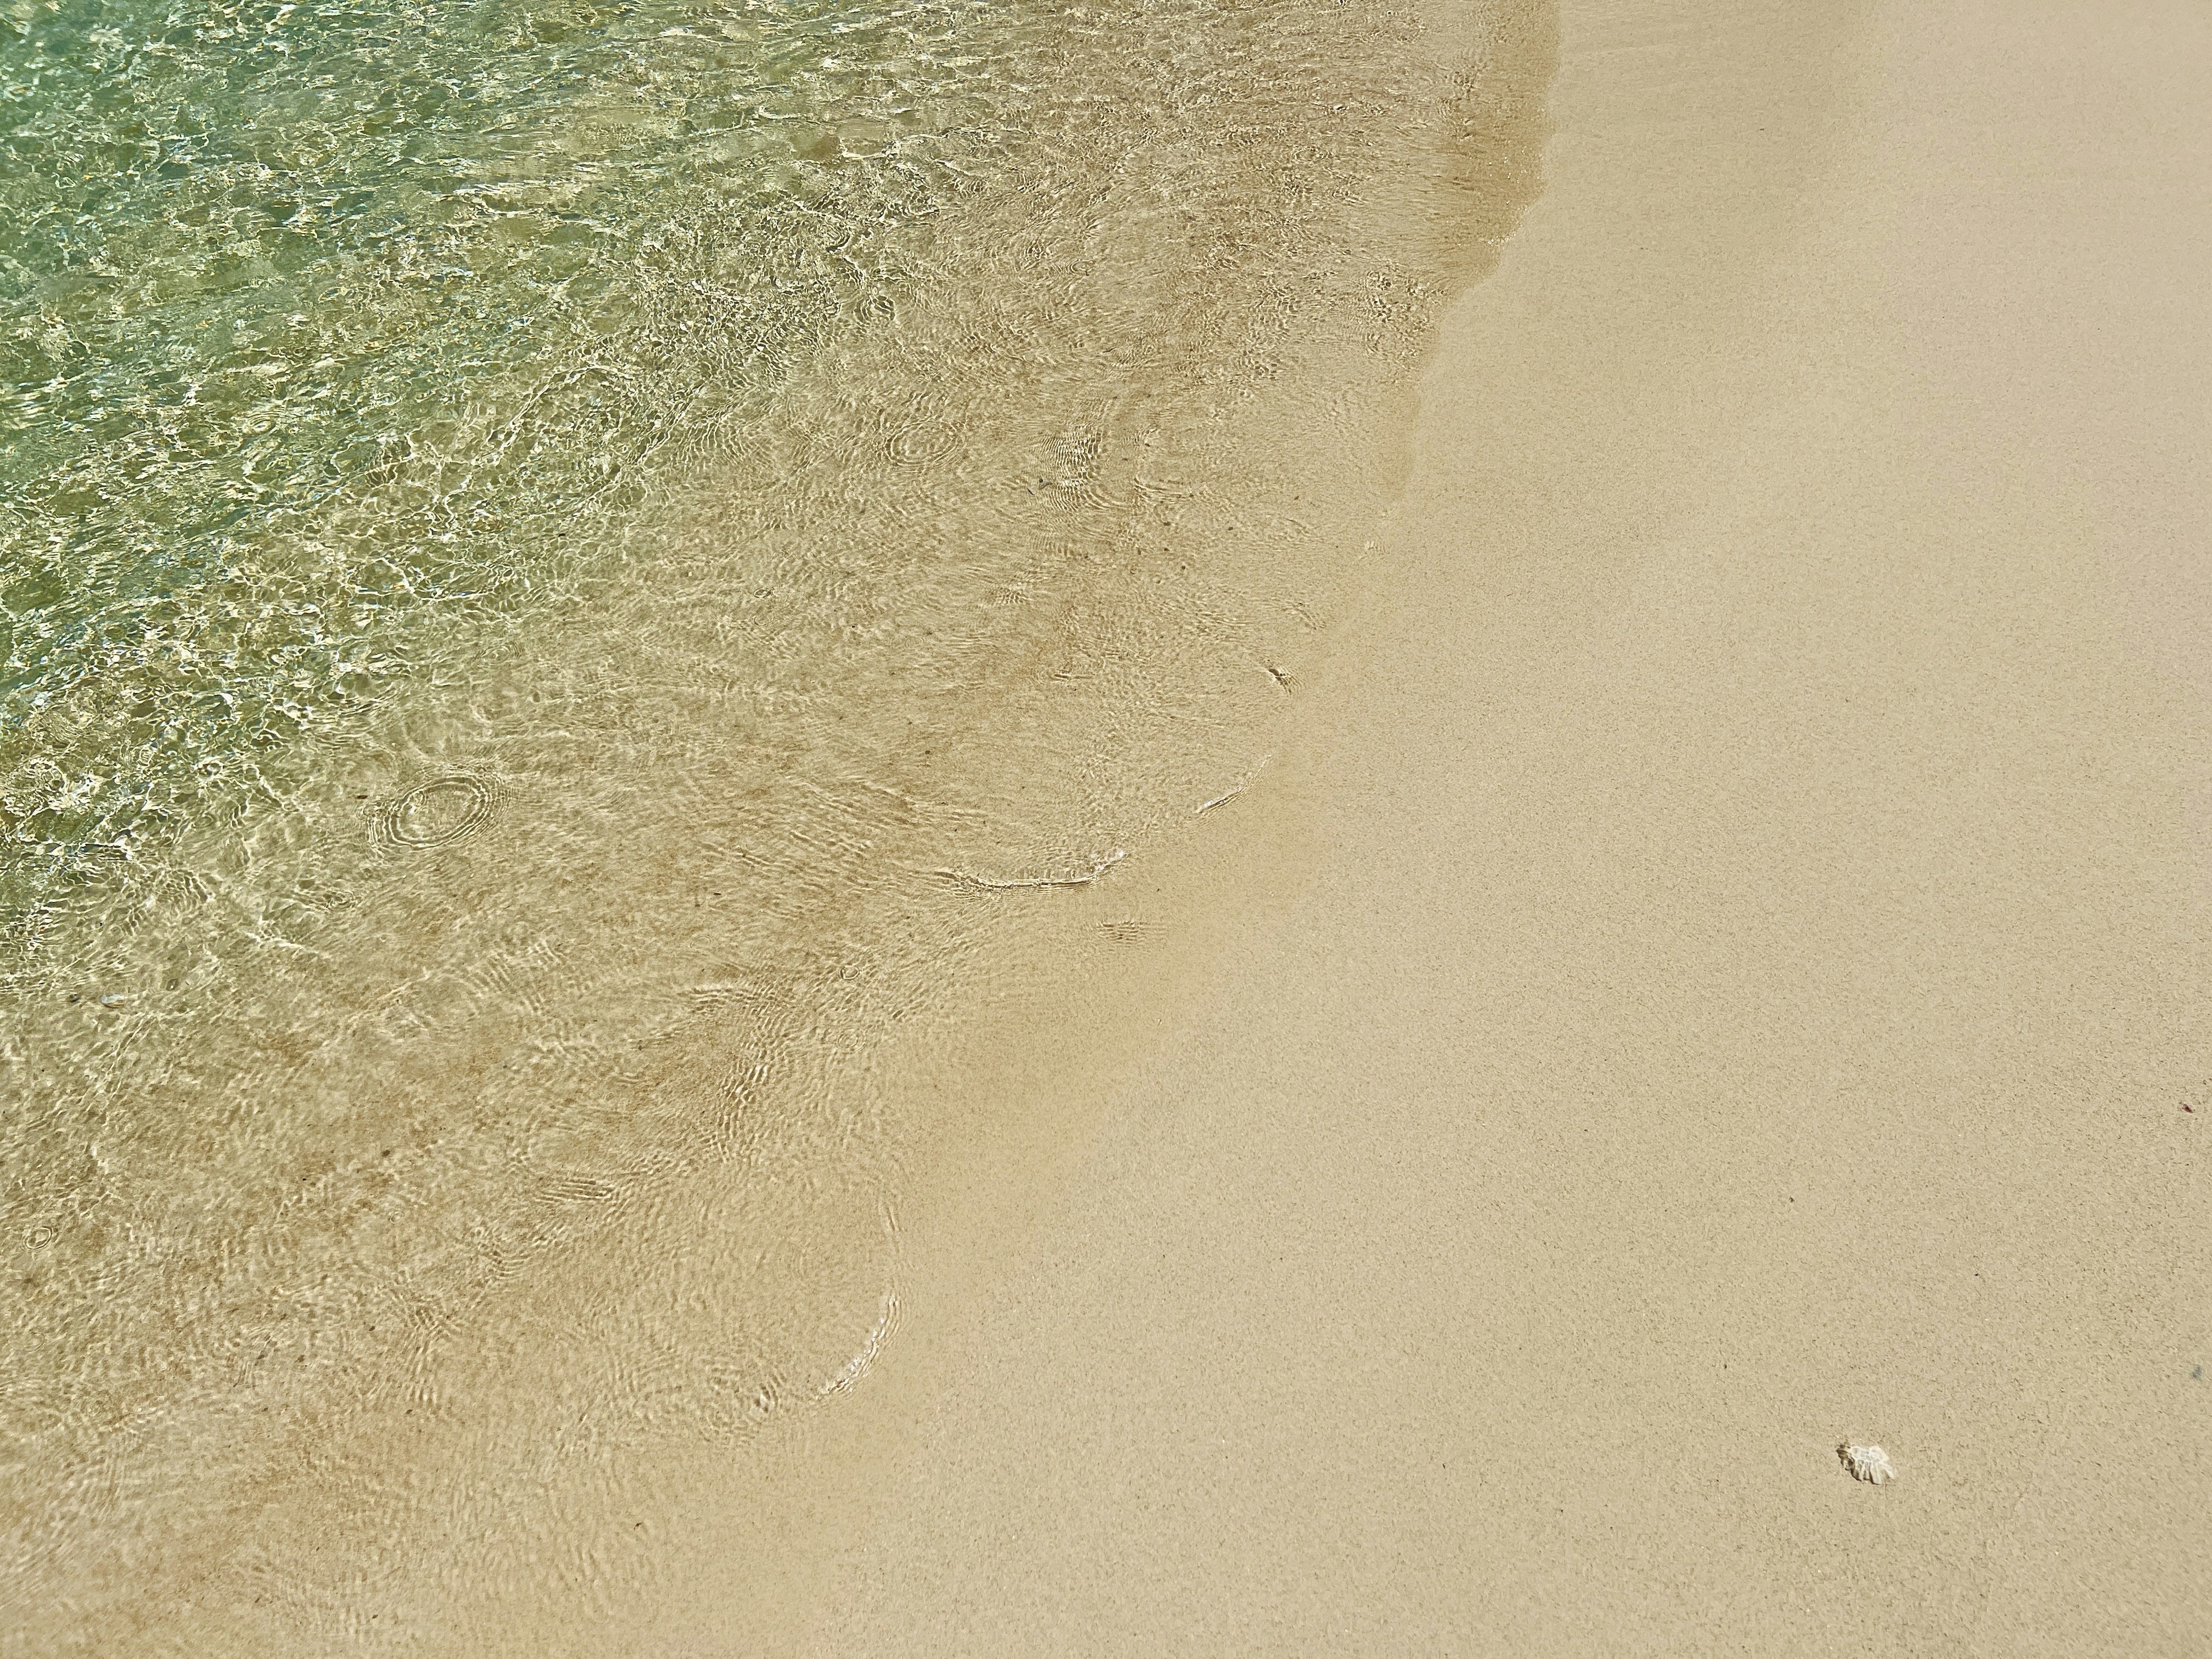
x=1716, y=980
x=563, y=1143
x=1706, y=970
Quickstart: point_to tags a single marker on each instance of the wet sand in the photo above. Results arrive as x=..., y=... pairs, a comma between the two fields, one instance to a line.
x=1718, y=971
x=440, y=1193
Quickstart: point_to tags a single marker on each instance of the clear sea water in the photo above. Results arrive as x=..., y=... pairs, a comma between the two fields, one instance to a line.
x=330, y=331
x=579, y=586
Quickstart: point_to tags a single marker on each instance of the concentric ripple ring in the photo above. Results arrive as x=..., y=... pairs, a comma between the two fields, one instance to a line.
x=919, y=445
x=438, y=813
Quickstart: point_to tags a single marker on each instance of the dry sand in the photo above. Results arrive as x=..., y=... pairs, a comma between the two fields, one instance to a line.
x=1721, y=974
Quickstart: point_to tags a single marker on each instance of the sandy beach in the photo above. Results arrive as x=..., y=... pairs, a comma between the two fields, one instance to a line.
x=1285, y=913
x=1716, y=973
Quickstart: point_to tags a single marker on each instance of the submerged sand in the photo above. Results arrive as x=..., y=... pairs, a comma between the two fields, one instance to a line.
x=438, y=1186
x=1722, y=975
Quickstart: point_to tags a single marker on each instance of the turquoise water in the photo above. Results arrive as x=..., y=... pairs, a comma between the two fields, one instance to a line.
x=330, y=332
x=586, y=590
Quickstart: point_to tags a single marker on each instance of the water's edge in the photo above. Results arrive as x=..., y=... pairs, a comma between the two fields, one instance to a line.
x=567, y=1020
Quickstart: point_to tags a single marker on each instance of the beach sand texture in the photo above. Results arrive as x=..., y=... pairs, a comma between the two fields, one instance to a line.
x=1723, y=976
x=1667, y=941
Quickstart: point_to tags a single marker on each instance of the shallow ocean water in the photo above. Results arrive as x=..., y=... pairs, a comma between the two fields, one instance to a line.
x=335, y=330
x=575, y=577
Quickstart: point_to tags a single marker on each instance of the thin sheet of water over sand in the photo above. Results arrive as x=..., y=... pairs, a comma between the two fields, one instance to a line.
x=449, y=1170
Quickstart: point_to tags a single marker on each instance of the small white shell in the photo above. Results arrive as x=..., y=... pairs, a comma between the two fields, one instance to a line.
x=1868, y=1463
